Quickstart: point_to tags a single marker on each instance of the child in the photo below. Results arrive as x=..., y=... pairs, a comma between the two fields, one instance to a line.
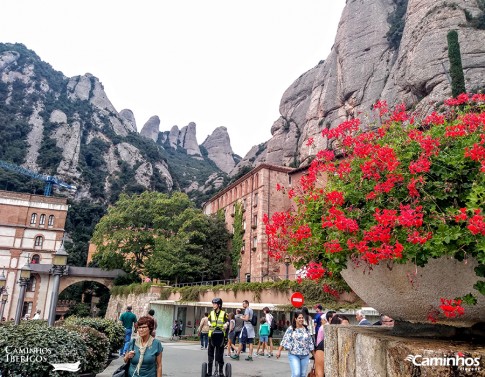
x=175, y=330
x=263, y=335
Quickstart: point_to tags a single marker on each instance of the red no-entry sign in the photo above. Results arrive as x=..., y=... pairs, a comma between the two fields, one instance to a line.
x=297, y=300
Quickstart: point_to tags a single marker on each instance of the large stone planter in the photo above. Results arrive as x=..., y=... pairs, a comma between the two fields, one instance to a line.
x=409, y=293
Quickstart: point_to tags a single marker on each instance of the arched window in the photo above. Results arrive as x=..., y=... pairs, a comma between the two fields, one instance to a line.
x=51, y=220
x=42, y=219
x=33, y=218
x=39, y=240
x=35, y=259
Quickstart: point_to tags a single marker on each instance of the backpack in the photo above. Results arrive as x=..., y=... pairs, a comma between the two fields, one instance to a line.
x=254, y=320
x=273, y=326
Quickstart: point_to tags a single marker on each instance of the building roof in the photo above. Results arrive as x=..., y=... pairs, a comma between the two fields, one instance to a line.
x=282, y=169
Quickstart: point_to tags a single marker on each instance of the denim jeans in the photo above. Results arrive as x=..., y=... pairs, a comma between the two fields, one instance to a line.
x=204, y=339
x=298, y=364
x=127, y=341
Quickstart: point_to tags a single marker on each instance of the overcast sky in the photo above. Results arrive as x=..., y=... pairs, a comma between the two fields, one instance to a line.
x=213, y=62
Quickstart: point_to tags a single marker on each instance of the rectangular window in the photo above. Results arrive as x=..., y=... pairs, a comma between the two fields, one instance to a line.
x=255, y=243
x=255, y=201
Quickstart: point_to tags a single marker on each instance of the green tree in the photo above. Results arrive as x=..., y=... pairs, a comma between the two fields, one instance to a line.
x=456, y=69
x=161, y=236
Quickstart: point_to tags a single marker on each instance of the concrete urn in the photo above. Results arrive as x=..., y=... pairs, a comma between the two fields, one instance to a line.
x=410, y=293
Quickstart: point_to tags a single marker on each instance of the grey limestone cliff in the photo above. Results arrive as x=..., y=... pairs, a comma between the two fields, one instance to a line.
x=362, y=68
x=151, y=128
x=218, y=146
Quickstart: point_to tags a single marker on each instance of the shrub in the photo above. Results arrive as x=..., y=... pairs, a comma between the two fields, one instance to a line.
x=114, y=331
x=27, y=350
x=456, y=69
x=98, y=347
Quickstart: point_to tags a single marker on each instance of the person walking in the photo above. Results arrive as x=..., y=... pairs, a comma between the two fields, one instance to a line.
x=247, y=333
x=231, y=333
x=317, y=320
x=128, y=319
x=237, y=330
x=204, y=331
x=263, y=336
x=217, y=334
x=272, y=326
x=145, y=352
x=151, y=313
x=299, y=343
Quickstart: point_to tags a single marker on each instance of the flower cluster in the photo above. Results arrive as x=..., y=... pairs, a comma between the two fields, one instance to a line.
x=451, y=308
x=406, y=191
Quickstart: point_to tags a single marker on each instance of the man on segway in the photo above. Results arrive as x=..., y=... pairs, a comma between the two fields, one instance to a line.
x=217, y=335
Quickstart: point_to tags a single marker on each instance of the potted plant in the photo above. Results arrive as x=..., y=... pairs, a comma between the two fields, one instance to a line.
x=397, y=210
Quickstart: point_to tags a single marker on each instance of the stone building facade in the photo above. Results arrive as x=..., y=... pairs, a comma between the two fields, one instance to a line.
x=31, y=230
x=258, y=195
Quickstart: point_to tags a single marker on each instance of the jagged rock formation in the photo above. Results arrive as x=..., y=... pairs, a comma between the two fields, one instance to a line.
x=218, y=146
x=363, y=67
x=187, y=139
x=128, y=115
x=64, y=126
x=151, y=128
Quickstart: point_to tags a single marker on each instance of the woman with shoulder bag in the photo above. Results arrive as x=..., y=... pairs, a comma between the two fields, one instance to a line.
x=299, y=343
x=145, y=358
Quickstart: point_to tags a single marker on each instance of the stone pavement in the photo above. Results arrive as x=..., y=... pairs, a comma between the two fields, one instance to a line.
x=184, y=359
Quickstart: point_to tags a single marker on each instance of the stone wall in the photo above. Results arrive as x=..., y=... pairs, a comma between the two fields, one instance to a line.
x=139, y=302
x=352, y=351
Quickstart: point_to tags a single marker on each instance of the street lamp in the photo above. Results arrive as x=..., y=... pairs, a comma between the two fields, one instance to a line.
x=59, y=263
x=3, y=303
x=25, y=272
x=239, y=265
x=287, y=264
x=3, y=293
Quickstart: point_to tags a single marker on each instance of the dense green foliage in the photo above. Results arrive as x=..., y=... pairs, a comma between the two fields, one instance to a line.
x=113, y=330
x=237, y=237
x=98, y=347
x=54, y=345
x=161, y=236
x=456, y=69
x=397, y=21
x=311, y=290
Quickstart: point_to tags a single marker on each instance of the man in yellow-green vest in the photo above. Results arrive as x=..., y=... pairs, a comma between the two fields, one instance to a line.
x=217, y=335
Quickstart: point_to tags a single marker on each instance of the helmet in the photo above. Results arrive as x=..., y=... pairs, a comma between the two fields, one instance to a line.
x=217, y=301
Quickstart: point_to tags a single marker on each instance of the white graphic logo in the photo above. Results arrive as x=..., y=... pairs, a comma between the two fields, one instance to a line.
x=457, y=360
x=74, y=367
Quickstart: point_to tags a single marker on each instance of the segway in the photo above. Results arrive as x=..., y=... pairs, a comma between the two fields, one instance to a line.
x=227, y=369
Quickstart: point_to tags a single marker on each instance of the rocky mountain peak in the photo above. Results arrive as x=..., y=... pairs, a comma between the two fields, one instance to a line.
x=151, y=128
x=218, y=146
x=187, y=139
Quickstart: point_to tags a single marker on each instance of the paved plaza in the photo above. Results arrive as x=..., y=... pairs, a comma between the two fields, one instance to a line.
x=184, y=359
